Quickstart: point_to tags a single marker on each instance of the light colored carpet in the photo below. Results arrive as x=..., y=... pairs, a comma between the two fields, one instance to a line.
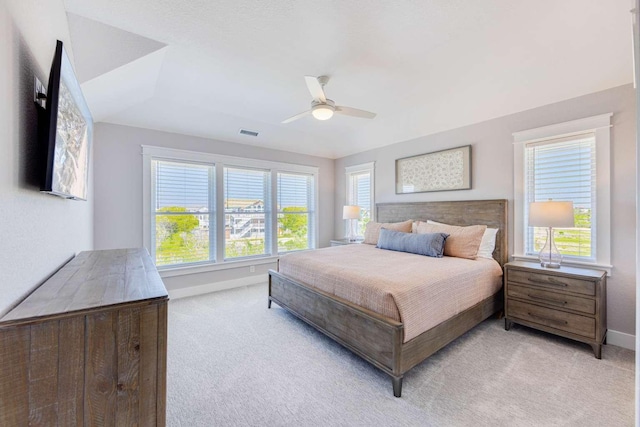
x=233, y=362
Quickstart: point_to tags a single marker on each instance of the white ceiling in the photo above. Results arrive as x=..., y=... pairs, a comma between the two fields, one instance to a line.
x=208, y=68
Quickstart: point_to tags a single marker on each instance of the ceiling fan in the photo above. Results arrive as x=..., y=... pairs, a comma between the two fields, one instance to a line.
x=323, y=108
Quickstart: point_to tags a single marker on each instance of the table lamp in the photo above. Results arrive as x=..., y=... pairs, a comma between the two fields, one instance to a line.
x=351, y=213
x=551, y=214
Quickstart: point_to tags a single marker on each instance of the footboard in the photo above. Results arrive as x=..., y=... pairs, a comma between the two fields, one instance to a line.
x=375, y=338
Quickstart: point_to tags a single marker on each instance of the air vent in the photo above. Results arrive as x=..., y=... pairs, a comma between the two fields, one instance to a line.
x=248, y=132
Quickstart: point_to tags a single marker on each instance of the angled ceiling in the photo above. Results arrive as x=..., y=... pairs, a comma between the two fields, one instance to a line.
x=210, y=68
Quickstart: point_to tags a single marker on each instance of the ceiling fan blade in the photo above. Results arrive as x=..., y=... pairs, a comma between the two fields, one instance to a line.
x=354, y=112
x=315, y=88
x=296, y=117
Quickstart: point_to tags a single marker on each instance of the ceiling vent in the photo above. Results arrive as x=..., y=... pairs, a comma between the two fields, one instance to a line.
x=248, y=132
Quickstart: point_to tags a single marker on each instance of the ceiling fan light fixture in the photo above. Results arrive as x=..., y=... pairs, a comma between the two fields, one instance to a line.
x=322, y=112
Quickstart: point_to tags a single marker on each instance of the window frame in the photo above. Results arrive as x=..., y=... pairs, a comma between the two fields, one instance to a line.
x=211, y=211
x=267, y=212
x=350, y=173
x=219, y=162
x=598, y=125
x=311, y=211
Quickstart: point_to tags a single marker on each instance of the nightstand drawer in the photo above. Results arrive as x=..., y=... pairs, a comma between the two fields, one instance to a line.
x=573, y=323
x=552, y=299
x=558, y=283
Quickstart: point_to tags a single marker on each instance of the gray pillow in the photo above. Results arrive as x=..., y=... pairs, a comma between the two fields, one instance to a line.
x=429, y=244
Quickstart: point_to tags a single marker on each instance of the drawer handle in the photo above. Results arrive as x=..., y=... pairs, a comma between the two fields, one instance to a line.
x=535, y=316
x=549, y=300
x=549, y=281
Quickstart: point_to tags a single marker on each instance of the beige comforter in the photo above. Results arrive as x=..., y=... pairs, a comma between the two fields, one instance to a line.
x=419, y=291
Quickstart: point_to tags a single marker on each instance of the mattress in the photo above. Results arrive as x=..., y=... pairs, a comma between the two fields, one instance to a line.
x=419, y=291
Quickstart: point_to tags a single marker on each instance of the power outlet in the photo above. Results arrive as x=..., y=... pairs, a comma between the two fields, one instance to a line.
x=39, y=92
x=252, y=269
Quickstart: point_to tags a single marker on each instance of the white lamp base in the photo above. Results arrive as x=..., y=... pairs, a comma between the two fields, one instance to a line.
x=550, y=264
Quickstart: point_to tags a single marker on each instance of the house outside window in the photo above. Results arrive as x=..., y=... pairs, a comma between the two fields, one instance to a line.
x=565, y=162
x=360, y=192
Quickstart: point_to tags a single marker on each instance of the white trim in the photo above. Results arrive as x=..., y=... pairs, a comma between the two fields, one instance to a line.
x=600, y=125
x=208, y=267
x=636, y=79
x=561, y=130
x=570, y=263
x=146, y=205
x=363, y=167
x=621, y=339
x=199, y=157
x=217, y=286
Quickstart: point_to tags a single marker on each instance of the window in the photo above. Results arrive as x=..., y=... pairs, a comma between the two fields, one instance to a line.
x=296, y=211
x=246, y=212
x=183, y=228
x=565, y=162
x=564, y=170
x=360, y=192
x=182, y=212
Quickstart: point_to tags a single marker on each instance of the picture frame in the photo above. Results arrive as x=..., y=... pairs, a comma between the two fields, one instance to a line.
x=444, y=170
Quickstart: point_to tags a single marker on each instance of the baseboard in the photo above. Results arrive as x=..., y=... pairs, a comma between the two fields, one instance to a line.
x=621, y=339
x=217, y=286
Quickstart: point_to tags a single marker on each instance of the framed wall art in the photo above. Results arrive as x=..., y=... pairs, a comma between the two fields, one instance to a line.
x=438, y=171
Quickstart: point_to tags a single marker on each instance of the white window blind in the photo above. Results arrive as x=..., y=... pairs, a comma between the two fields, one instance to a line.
x=296, y=211
x=564, y=170
x=247, y=212
x=360, y=193
x=182, y=212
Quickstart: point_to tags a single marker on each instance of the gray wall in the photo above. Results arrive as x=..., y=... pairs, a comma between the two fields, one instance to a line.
x=492, y=164
x=118, y=189
x=39, y=233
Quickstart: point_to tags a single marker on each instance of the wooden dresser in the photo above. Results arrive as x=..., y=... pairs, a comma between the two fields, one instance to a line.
x=88, y=347
x=570, y=302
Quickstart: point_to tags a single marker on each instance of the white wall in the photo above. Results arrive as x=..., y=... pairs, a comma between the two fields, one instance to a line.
x=492, y=166
x=39, y=233
x=118, y=189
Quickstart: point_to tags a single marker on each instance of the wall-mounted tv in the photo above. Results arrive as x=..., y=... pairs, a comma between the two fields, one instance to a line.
x=68, y=132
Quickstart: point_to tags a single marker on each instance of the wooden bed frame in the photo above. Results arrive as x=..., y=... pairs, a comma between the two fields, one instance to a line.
x=379, y=339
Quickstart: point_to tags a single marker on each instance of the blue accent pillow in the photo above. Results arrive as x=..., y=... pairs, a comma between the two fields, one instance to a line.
x=429, y=244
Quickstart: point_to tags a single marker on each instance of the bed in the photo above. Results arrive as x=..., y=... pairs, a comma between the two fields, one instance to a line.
x=370, y=327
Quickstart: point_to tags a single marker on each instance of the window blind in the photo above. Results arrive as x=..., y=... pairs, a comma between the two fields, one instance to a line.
x=563, y=170
x=246, y=207
x=182, y=212
x=296, y=207
x=360, y=195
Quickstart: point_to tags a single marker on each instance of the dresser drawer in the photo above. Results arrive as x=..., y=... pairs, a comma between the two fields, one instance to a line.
x=578, y=286
x=551, y=299
x=573, y=323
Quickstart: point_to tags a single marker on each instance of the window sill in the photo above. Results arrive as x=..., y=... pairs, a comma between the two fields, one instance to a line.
x=205, y=268
x=570, y=263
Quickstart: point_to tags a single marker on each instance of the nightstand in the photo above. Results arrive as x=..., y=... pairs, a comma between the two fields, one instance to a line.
x=570, y=302
x=342, y=242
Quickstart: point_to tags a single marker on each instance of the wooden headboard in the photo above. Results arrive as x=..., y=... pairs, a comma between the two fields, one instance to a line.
x=492, y=213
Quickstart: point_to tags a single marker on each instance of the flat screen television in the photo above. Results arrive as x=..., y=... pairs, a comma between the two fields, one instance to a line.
x=68, y=132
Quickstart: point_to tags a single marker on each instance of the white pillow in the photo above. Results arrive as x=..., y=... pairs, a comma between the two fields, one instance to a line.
x=488, y=243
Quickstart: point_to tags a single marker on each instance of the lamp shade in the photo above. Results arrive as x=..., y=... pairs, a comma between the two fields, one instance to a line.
x=551, y=214
x=351, y=212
